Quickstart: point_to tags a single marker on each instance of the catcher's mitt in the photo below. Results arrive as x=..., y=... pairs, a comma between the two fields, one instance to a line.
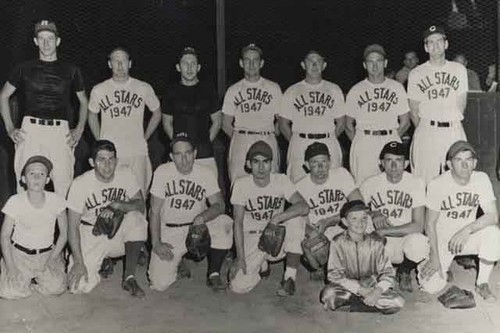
x=198, y=241
x=108, y=226
x=272, y=239
x=456, y=298
x=316, y=250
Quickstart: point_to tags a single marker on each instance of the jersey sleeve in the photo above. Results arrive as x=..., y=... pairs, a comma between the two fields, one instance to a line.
x=338, y=95
x=76, y=197
x=228, y=107
x=94, y=101
x=16, y=76
x=238, y=196
x=156, y=186
x=12, y=207
x=464, y=80
x=151, y=99
x=211, y=183
x=77, y=83
x=286, y=108
x=414, y=92
x=402, y=107
x=351, y=106
x=419, y=193
x=487, y=195
x=131, y=182
x=59, y=203
x=433, y=196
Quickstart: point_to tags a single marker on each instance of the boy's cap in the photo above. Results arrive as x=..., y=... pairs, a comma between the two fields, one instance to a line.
x=260, y=148
x=38, y=159
x=352, y=206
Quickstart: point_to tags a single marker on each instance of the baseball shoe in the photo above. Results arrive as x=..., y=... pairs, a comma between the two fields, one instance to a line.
x=466, y=262
x=404, y=279
x=130, y=285
x=317, y=275
x=265, y=270
x=287, y=288
x=215, y=283
x=107, y=268
x=183, y=271
x=485, y=292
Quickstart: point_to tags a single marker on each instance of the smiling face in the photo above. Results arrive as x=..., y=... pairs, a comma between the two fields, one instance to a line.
x=462, y=165
x=104, y=165
x=319, y=167
x=356, y=222
x=35, y=177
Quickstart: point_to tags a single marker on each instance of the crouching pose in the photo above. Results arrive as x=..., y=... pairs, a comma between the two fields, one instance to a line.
x=259, y=199
x=179, y=196
x=358, y=268
x=28, y=233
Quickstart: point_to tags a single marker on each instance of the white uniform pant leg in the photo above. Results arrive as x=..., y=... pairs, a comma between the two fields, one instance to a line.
x=49, y=141
x=415, y=247
x=141, y=168
x=429, y=147
x=365, y=153
x=295, y=233
x=221, y=232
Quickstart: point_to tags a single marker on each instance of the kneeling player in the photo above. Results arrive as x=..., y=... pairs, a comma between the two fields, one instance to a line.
x=396, y=199
x=90, y=195
x=259, y=199
x=453, y=229
x=179, y=196
x=28, y=233
x=358, y=267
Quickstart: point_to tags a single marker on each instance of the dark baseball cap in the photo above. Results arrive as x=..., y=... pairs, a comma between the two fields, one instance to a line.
x=188, y=50
x=251, y=47
x=352, y=206
x=38, y=159
x=46, y=25
x=181, y=137
x=315, y=149
x=458, y=147
x=434, y=29
x=374, y=48
x=259, y=148
x=394, y=148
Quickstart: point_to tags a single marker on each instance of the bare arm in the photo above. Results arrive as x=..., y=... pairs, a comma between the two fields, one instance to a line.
x=299, y=207
x=462, y=102
x=227, y=125
x=216, y=124
x=75, y=134
x=216, y=208
x=415, y=226
x=136, y=203
x=414, y=106
x=154, y=121
x=239, y=213
x=404, y=123
x=95, y=126
x=7, y=228
x=339, y=126
x=155, y=220
x=62, y=222
x=285, y=126
x=168, y=125
x=7, y=91
x=434, y=265
x=350, y=130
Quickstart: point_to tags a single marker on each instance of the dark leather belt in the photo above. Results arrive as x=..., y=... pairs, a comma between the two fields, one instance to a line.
x=87, y=223
x=31, y=251
x=380, y=132
x=254, y=232
x=440, y=123
x=177, y=225
x=45, y=122
x=254, y=132
x=314, y=135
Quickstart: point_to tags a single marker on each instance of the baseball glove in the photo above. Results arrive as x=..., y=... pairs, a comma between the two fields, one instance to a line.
x=198, y=241
x=316, y=250
x=108, y=226
x=272, y=239
x=456, y=298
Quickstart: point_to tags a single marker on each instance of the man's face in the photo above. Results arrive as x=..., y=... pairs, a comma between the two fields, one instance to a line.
x=47, y=43
x=394, y=165
x=260, y=166
x=356, y=222
x=375, y=64
x=251, y=63
x=36, y=177
x=460, y=59
x=105, y=164
x=411, y=60
x=119, y=62
x=183, y=154
x=189, y=67
x=435, y=45
x=314, y=65
x=462, y=164
x=319, y=166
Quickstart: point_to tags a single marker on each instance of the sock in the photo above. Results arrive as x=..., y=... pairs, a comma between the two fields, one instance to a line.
x=132, y=250
x=484, y=272
x=215, y=259
x=290, y=273
x=406, y=266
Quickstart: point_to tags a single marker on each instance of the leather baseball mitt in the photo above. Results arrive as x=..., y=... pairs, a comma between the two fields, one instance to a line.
x=316, y=250
x=198, y=241
x=108, y=226
x=456, y=298
x=272, y=239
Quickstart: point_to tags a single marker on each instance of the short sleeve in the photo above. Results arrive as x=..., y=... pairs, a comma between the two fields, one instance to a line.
x=228, y=107
x=59, y=203
x=419, y=193
x=403, y=106
x=156, y=186
x=433, y=196
x=76, y=198
x=464, y=79
x=487, y=195
x=286, y=107
x=94, y=101
x=151, y=99
x=131, y=181
x=350, y=106
x=77, y=82
x=12, y=207
x=340, y=101
x=16, y=76
x=238, y=196
x=414, y=92
x=287, y=186
x=211, y=183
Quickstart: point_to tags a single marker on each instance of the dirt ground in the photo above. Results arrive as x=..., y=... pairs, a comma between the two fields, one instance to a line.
x=189, y=306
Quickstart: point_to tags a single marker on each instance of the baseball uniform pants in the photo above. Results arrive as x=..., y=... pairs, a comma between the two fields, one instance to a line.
x=254, y=258
x=141, y=168
x=415, y=247
x=50, y=280
x=163, y=273
x=96, y=248
x=430, y=145
x=47, y=138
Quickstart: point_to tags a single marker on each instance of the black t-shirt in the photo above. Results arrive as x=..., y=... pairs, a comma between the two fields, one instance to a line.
x=45, y=88
x=191, y=108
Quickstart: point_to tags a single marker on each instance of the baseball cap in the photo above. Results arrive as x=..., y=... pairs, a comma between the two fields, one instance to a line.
x=352, y=206
x=458, y=147
x=313, y=52
x=252, y=47
x=38, y=159
x=394, y=148
x=434, y=29
x=46, y=25
x=188, y=50
x=181, y=137
x=374, y=48
x=102, y=145
x=260, y=148
x=315, y=149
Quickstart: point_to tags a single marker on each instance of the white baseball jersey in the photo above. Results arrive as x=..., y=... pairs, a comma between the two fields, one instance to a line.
x=122, y=112
x=377, y=105
x=458, y=204
x=185, y=195
x=395, y=201
x=438, y=90
x=253, y=104
x=261, y=203
x=312, y=108
x=326, y=200
x=88, y=196
x=34, y=227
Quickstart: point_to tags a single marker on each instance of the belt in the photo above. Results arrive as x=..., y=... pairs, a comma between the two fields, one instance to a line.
x=314, y=135
x=440, y=123
x=178, y=225
x=31, y=251
x=254, y=232
x=86, y=223
x=254, y=132
x=380, y=132
x=45, y=122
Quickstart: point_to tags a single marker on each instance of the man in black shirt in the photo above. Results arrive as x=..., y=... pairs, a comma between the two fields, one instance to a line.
x=192, y=107
x=45, y=86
